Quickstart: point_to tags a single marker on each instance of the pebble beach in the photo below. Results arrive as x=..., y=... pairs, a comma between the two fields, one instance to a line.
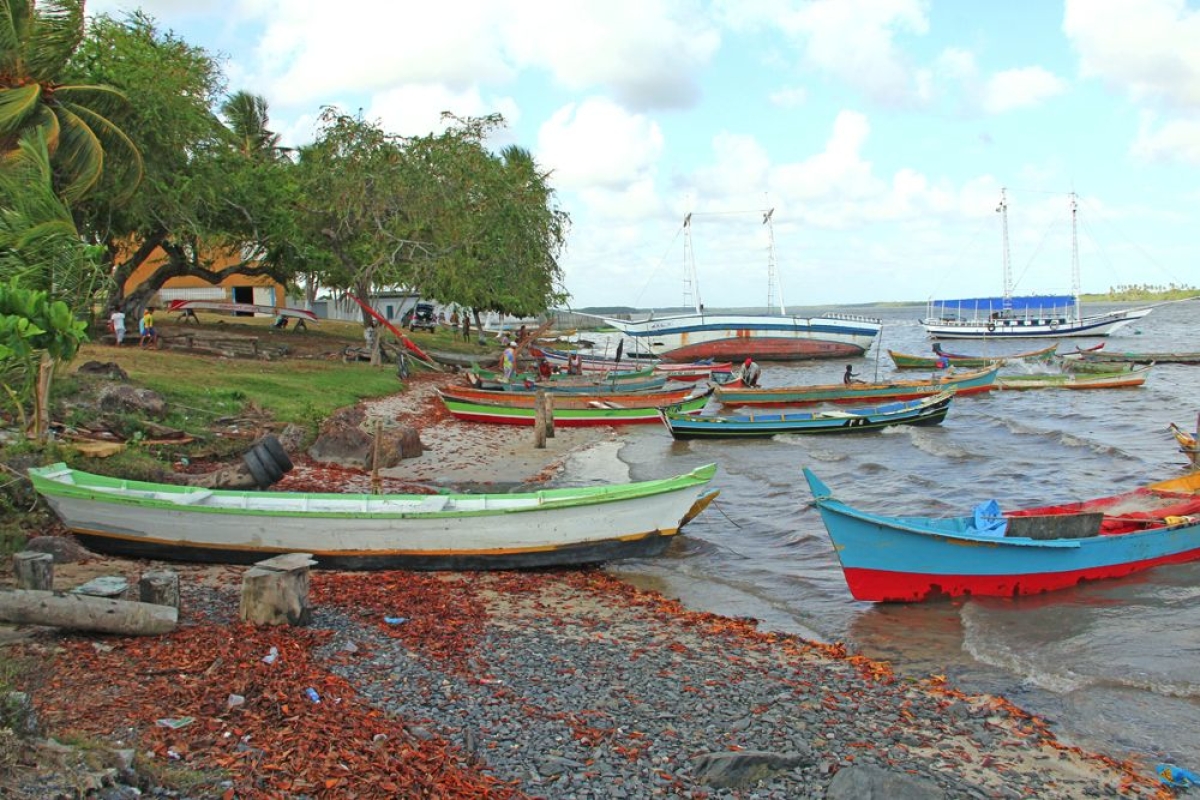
x=552, y=684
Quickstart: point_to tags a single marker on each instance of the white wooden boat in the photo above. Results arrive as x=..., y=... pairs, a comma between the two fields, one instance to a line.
x=550, y=527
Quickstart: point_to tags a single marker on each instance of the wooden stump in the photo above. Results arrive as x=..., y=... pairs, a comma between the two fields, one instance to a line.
x=275, y=591
x=550, y=416
x=34, y=570
x=160, y=588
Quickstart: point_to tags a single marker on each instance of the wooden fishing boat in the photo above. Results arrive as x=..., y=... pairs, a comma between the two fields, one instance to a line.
x=689, y=372
x=598, y=412
x=928, y=411
x=614, y=376
x=470, y=394
x=551, y=527
x=1074, y=380
x=991, y=553
x=652, y=383
x=943, y=360
x=1114, y=357
x=962, y=382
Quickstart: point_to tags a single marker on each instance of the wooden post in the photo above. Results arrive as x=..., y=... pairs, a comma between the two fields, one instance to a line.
x=34, y=570
x=275, y=591
x=539, y=419
x=160, y=588
x=549, y=415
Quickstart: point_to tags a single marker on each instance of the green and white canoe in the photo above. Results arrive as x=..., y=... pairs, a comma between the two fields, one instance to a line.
x=548, y=528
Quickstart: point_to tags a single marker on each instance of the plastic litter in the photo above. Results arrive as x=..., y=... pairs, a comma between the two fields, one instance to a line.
x=312, y=695
x=235, y=700
x=175, y=722
x=270, y=657
x=395, y=620
x=1177, y=777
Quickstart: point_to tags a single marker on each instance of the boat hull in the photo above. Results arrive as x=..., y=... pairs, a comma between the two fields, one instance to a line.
x=1033, y=327
x=944, y=360
x=556, y=527
x=565, y=417
x=529, y=399
x=1130, y=379
x=966, y=383
x=865, y=420
x=908, y=559
x=697, y=337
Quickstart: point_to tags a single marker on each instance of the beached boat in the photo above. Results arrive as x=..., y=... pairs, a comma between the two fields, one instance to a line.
x=941, y=359
x=565, y=379
x=1027, y=317
x=990, y=553
x=735, y=337
x=962, y=382
x=470, y=394
x=1074, y=380
x=927, y=411
x=688, y=372
x=653, y=383
x=598, y=412
x=551, y=527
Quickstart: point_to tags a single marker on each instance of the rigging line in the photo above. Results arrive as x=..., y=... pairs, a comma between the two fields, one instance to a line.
x=654, y=272
x=1126, y=238
x=726, y=516
x=727, y=213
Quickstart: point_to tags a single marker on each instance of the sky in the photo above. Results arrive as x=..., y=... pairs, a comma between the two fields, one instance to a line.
x=880, y=133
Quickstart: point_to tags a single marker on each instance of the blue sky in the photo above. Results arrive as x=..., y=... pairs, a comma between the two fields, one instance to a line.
x=881, y=132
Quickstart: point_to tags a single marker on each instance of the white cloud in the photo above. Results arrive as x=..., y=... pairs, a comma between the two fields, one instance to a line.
x=1020, y=88
x=597, y=143
x=1177, y=140
x=789, y=97
x=1146, y=48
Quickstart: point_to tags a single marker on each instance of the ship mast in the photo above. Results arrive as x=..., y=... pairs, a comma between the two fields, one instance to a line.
x=691, y=286
x=1002, y=209
x=773, y=283
x=1075, y=280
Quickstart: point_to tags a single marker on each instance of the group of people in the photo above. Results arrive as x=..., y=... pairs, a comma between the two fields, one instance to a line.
x=148, y=335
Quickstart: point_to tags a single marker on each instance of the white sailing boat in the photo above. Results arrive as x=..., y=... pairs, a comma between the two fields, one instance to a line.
x=1029, y=316
x=732, y=337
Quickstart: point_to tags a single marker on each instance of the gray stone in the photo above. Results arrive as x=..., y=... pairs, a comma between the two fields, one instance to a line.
x=64, y=548
x=744, y=768
x=128, y=399
x=875, y=783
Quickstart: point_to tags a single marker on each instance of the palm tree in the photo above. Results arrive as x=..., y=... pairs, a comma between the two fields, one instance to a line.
x=74, y=120
x=246, y=116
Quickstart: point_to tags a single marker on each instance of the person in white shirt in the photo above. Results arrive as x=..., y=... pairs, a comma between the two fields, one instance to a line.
x=117, y=320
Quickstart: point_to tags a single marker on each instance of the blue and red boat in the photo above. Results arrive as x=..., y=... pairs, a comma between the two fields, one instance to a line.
x=990, y=553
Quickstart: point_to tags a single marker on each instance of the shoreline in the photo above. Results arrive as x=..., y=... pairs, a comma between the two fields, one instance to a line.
x=556, y=684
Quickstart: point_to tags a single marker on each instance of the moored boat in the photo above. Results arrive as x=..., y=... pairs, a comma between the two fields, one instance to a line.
x=962, y=382
x=550, y=527
x=940, y=359
x=990, y=553
x=1124, y=379
x=1025, y=317
x=471, y=394
x=927, y=411
x=597, y=412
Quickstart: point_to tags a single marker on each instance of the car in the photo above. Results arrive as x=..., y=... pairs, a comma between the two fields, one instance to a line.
x=421, y=317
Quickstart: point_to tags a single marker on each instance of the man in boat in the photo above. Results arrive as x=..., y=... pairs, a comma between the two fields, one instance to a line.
x=750, y=372
x=544, y=371
x=851, y=376
x=574, y=364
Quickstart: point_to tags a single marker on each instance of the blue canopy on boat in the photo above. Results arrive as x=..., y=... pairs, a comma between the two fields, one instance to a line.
x=1039, y=304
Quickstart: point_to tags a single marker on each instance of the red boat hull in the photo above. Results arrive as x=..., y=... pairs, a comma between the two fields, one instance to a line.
x=762, y=349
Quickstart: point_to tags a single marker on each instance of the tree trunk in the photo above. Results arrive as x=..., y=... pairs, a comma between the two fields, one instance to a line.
x=86, y=613
x=41, y=399
x=34, y=570
x=275, y=591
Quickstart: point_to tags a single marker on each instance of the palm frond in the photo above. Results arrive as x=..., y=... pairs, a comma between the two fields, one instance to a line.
x=79, y=156
x=115, y=141
x=16, y=106
x=56, y=31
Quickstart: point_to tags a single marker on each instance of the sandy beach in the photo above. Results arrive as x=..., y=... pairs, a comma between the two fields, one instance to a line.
x=555, y=684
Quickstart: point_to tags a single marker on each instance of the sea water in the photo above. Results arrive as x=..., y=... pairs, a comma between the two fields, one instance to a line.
x=1114, y=665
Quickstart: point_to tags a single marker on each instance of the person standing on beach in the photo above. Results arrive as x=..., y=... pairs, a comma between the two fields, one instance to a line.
x=149, y=334
x=508, y=363
x=117, y=320
x=466, y=328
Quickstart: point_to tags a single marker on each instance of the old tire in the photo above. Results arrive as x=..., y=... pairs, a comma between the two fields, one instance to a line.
x=271, y=446
x=264, y=470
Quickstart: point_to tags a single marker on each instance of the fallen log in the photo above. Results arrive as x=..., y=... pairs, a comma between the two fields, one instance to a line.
x=86, y=613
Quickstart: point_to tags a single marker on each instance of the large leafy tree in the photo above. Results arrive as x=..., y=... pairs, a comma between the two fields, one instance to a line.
x=203, y=199
x=78, y=121
x=47, y=277
x=497, y=228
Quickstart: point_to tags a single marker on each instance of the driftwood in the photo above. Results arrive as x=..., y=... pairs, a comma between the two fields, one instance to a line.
x=34, y=570
x=86, y=613
x=275, y=591
x=161, y=588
